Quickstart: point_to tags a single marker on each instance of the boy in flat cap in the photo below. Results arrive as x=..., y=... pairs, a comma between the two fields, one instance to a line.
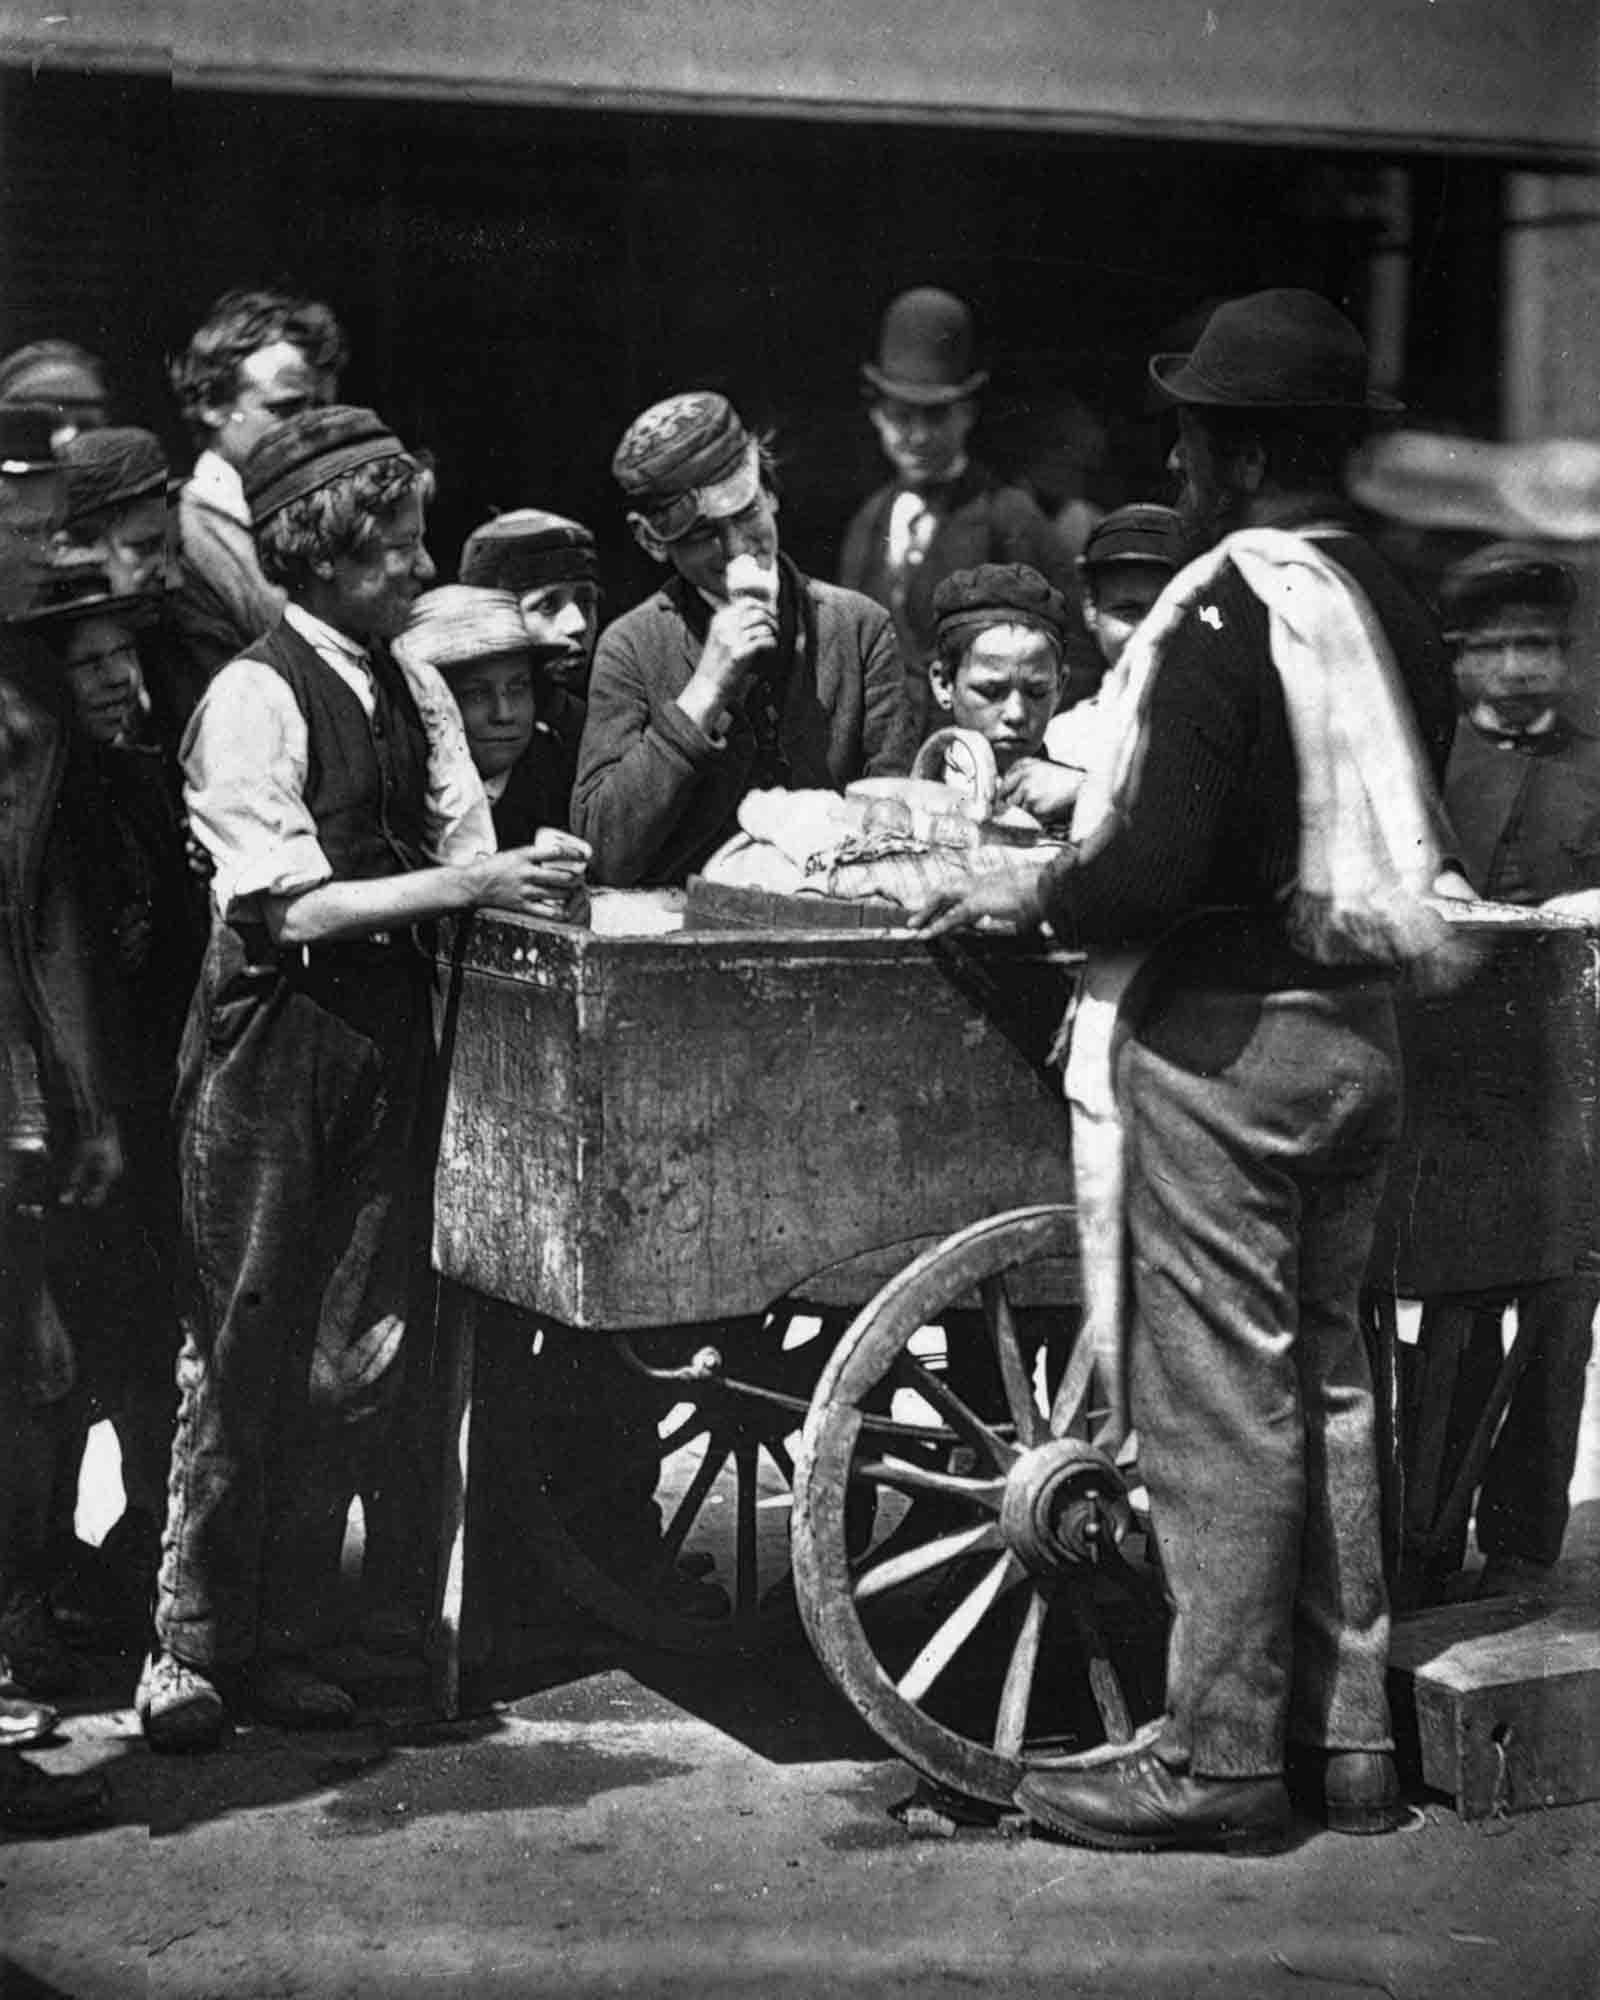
x=335, y=794
x=739, y=674
x=1269, y=873
x=552, y=568
x=1523, y=793
x=942, y=511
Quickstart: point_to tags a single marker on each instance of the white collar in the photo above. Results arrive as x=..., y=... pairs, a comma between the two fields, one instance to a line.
x=324, y=637
x=216, y=482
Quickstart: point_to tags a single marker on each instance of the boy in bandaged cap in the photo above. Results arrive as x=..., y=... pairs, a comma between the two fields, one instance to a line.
x=333, y=789
x=740, y=674
x=478, y=640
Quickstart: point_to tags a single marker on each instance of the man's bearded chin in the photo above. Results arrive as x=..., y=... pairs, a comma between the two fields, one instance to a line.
x=1206, y=517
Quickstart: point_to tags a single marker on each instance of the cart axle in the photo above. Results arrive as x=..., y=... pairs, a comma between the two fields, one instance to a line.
x=1064, y=1504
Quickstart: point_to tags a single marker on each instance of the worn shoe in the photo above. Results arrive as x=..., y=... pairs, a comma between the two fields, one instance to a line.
x=36, y=1802
x=179, y=1706
x=24, y=1722
x=32, y=1652
x=290, y=1694
x=1136, y=1804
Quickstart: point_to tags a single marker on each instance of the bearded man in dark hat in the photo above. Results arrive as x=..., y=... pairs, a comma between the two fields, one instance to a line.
x=739, y=674
x=1263, y=835
x=942, y=511
x=333, y=789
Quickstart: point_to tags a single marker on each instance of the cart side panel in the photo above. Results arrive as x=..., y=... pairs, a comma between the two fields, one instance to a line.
x=770, y=1108
x=507, y=1200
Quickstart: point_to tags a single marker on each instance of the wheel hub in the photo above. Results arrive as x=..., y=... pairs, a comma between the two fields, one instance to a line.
x=1065, y=1503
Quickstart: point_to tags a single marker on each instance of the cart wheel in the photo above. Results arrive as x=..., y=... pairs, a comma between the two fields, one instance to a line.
x=974, y=1635
x=721, y=1581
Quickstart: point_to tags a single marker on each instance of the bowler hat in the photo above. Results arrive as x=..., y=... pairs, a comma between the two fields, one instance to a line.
x=1276, y=350
x=77, y=590
x=925, y=350
x=25, y=431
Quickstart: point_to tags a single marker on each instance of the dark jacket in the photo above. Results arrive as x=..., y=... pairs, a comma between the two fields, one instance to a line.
x=49, y=1023
x=656, y=797
x=982, y=521
x=222, y=602
x=538, y=790
x=1526, y=815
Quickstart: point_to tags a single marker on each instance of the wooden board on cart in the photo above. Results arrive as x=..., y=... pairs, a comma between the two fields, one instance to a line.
x=647, y=1131
x=1504, y=1697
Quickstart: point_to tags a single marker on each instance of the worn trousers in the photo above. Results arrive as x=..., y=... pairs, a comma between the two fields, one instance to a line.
x=299, y=1101
x=1258, y=1140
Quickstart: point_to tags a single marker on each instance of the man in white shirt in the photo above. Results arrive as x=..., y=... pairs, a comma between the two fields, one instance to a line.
x=334, y=792
x=258, y=359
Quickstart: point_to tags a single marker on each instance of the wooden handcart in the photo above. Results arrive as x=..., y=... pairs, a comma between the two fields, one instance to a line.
x=717, y=1146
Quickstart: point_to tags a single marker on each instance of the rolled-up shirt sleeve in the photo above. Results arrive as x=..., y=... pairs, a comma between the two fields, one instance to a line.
x=244, y=769
x=460, y=826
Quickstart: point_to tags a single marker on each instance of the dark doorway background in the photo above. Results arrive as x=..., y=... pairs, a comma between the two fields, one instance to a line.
x=518, y=282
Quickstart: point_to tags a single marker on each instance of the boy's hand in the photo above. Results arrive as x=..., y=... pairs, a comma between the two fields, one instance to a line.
x=1046, y=790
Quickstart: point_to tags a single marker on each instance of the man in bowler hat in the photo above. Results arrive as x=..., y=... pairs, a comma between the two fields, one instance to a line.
x=942, y=511
x=1255, y=1082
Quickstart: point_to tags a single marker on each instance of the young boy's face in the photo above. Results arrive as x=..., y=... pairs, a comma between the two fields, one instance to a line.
x=103, y=678
x=497, y=698
x=1116, y=598
x=1005, y=688
x=1512, y=667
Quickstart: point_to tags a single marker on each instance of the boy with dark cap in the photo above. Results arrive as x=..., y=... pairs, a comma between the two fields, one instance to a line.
x=117, y=505
x=1249, y=876
x=1523, y=794
x=335, y=794
x=550, y=565
x=942, y=511
x=1128, y=559
x=738, y=675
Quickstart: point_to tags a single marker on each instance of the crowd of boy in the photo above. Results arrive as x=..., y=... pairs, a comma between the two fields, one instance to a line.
x=252, y=749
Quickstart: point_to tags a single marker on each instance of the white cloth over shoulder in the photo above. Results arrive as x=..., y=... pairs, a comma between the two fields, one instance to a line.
x=1371, y=844
x=245, y=763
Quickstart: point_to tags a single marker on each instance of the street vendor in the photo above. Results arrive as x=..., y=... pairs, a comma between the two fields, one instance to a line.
x=1523, y=793
x=478, y=640
x=740, y=674
x=336, y=797
x=1271, y=870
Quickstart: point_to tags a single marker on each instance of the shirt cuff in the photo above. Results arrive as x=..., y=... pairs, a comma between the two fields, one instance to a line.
x=686, y=736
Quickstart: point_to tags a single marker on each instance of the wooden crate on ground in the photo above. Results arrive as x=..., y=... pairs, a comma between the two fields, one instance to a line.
x=1504, y=1698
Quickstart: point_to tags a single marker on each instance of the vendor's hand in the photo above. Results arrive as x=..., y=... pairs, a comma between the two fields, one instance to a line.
x=95, y=1168
x=1005, y=900
x=543, y=879
x=740, y=632
x=1581, y=903
x=1046, y=790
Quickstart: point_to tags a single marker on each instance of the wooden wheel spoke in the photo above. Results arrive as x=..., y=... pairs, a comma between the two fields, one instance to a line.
x=1103, y=1681
x=1020, y=1399
x=957, y=1629
x=746, y=1566
x=694, y=1498
x=1067, y=1411
x=696, y=1424
x=923, y=1479
x=909, y=1564
x=1011, y=1722
x=963, y=1420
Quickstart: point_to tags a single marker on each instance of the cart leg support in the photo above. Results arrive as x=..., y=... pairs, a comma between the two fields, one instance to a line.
x=459, y=1319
